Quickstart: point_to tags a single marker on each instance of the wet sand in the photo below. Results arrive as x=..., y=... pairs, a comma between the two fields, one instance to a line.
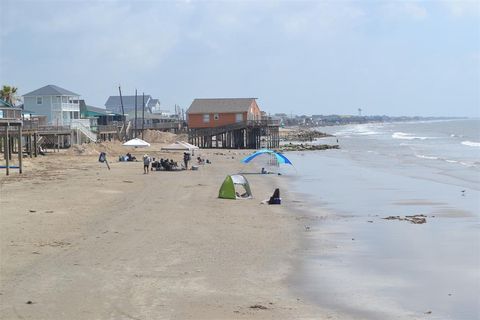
x=79, y=241
x=368, y=267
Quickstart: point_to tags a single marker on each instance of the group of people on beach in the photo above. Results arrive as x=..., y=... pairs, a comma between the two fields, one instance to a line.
x=127, y=157
x=164, y=164
x=150, y=164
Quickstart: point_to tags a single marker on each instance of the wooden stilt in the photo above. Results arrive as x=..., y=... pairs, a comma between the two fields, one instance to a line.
x=7, y=154
x=35, y=144
x=20, y=150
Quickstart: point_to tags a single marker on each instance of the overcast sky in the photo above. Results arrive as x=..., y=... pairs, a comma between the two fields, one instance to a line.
x=312, y=57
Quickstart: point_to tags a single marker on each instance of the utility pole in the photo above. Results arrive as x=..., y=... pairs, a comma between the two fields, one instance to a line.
x=123, y=114
x=135, y=113
x=143, y=112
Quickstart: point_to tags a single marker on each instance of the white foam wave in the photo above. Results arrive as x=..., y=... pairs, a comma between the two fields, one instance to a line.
x=355, y=131
x=421, y=156
x=367, y=133
x=467, y=164
x=407, y=136
x=471, y=143
x=451, y=161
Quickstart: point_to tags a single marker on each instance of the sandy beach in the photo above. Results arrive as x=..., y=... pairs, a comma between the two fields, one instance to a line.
x=79, y=241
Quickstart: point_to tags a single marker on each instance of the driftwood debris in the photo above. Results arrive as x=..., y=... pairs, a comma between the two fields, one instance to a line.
x=307, y=147
x=303, y=135
x=415, y=219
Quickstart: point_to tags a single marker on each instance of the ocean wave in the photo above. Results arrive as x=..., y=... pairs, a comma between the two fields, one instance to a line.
x=463, y=163
x=451, y=161
x=468, y=164
x=358, y=132
x=471, y=143
x=421, y=156
x=407, y=136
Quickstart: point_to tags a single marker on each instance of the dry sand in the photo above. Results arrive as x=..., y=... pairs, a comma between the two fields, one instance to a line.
x=79, y=241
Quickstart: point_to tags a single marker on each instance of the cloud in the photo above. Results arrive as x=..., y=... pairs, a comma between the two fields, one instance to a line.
x=460, y=8
x=110, y=32
x=399, y=10
x=322, y=17
x=278, y=50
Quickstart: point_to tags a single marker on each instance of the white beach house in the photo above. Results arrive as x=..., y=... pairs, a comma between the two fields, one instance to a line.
x=61, y=107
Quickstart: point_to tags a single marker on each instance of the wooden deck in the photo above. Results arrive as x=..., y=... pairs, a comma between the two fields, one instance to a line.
x=11, y=136
x=253, y=134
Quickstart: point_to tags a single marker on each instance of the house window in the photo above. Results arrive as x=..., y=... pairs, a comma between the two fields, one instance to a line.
x=238, y=117
x=216, y=116
x=64, y=99
x=39, y=100
x=206, y=118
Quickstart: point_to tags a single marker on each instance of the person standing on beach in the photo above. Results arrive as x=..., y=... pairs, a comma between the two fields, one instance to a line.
x=146, y=164
x=186, y=158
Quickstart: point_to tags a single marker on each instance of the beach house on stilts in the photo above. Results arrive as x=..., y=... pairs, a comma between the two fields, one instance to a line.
x=62, y=109
x=230, y=123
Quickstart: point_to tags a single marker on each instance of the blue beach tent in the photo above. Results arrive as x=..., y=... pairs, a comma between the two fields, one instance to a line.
x=280, y=157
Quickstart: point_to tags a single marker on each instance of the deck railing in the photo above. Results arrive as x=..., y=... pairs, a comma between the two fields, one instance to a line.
x=262, y=123
x=106, y=128
x=160, y=125
x=10, y=113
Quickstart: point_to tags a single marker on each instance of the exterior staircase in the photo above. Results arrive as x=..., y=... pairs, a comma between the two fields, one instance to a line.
x=77, y=125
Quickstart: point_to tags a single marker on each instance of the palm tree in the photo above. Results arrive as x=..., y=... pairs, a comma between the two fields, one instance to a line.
x=8, y=93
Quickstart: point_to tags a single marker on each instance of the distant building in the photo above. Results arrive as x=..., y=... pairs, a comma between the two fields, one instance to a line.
x=210, y=113
x=102, y=116
x=7, y=110
x=154, y=105
x=231, y=124
x=59, y=105
x=114, y=104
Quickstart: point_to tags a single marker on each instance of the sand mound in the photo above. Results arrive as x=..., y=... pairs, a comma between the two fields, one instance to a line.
x=154, y=136
x=116, y=148
x=110, y=147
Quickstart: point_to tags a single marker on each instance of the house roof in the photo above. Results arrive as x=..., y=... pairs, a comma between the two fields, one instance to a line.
x=4, y=103
x=153, y=102
x=51, y=90
x=221, y=105
x=128, y=101
x=87, y=109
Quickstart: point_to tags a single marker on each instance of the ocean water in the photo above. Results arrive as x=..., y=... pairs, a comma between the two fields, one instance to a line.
x=368, y=267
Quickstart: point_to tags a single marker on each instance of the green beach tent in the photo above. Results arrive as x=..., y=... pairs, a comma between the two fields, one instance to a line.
x=235, y=187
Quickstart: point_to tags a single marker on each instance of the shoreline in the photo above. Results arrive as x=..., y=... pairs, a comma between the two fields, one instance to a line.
x=83, y=242
x=363, y=265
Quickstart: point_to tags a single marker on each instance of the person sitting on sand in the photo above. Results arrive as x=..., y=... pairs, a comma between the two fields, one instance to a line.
x=275, y=198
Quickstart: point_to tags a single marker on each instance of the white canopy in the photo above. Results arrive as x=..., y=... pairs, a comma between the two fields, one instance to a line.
x=180, y=146
x=137, y=143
